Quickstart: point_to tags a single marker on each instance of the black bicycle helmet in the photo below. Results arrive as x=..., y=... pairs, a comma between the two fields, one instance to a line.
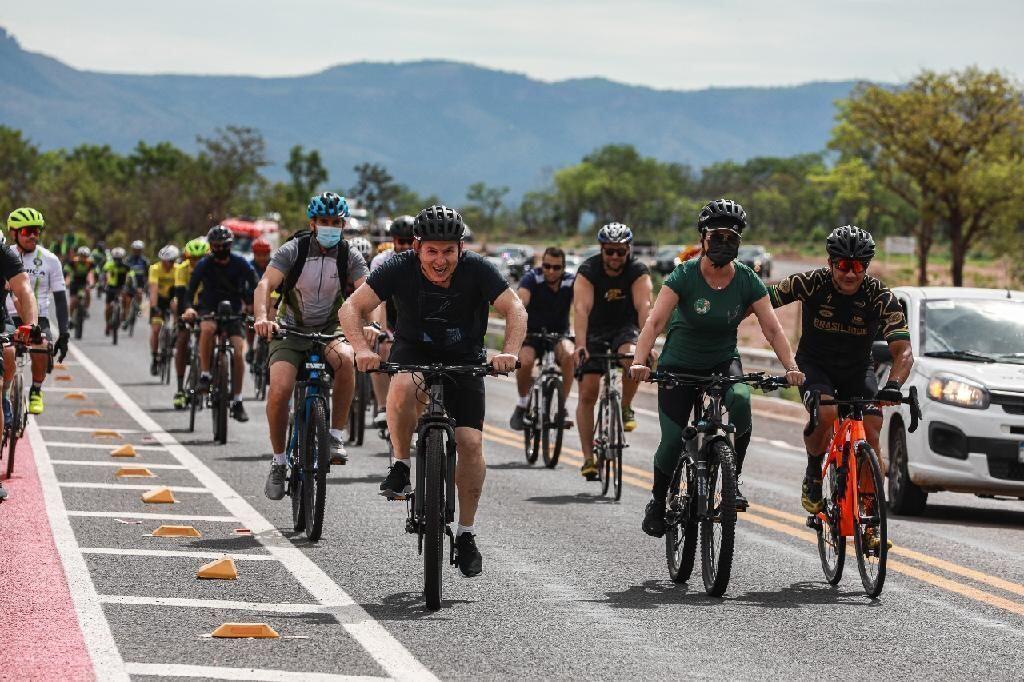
x=849, y=241
x=439, y=224
x=615, y=233
x=219, y=234
x=722, y=213
x=402, y=227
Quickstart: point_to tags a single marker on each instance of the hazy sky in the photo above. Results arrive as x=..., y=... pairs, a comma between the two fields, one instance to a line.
x=662, y=43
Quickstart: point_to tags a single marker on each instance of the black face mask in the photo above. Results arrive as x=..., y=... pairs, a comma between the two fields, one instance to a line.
x=221, y=255
x=722, y=249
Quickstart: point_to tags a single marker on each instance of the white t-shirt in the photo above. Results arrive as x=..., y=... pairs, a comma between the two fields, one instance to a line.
x=45, y=276
x=381, y=258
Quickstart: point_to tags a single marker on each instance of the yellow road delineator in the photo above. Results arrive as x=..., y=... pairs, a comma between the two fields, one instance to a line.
x=134, y=472
x=220, y=569
x=162, y=495
x=167, y=531
x=63, y=377
x=88, y=412
x=125, y=450
x=246, y=631
x=74, y=396
x=107, y=433
x=59, y=365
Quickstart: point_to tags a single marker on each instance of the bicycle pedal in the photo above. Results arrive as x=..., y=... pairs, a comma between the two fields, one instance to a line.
x=813, y=522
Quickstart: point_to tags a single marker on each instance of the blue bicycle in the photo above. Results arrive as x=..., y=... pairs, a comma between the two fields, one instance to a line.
x=308, y=449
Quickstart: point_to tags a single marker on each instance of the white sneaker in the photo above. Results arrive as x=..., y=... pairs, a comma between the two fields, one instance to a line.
x=338, y=453
x=380, y=420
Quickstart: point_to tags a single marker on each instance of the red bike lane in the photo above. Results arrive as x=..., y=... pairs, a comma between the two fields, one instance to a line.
x=40, y=637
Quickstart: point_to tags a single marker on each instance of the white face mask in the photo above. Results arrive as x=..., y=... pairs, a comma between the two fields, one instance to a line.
x=328, y=236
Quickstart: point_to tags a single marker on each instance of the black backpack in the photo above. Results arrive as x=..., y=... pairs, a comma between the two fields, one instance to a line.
x=303, y=237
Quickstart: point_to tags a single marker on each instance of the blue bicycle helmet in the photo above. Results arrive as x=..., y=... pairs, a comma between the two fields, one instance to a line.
x=327, y=205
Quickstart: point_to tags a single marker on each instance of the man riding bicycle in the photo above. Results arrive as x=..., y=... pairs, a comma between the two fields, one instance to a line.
x=546, y=292
x=442, y=294
x=77, y=270
x=139, y=264
x=119, y=282
x=46, y=277
x=260, y=261
x=386, y=316
x=195, y=250
x=843, y=310
x=161, y=288
x=221, y=276
x=611, y=300
x=311, y=271
x=703, y=302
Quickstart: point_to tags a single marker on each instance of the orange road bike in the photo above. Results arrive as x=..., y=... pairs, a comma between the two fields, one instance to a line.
x=853, y=492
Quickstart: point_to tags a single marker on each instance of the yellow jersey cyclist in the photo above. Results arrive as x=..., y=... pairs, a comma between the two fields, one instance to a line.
x=703, y=302
x=46, y=278
x=844, y=309
x=195, y=249
x=77, y=272
x=119, y=283
x=161, y=288
x=611, y=300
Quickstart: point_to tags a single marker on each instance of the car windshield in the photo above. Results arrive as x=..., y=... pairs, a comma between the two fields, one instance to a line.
x=989, y=327
x=751, y=251
x=670, y=251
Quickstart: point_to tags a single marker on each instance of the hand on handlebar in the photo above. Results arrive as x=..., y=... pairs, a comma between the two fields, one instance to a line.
x=266, y=328
x=639, y=372
x=795, y=377
x=367, y=360
x=889, y=394
x=504, y=363
x=189, y=315
x=370, y=333
x=580, y=355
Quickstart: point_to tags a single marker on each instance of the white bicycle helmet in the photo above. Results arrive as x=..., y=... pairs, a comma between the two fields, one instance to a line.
x=117, y=252
x=138, y=245
x=84, y=251
x=169, y=252
x=363, y=246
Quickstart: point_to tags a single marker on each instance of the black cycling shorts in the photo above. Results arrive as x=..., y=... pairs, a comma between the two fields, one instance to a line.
x=76, y=284
x=113, y=294
x=860, y=383
x=234, y=327
x=162, y=311
x=604, y=344
x=463, y=395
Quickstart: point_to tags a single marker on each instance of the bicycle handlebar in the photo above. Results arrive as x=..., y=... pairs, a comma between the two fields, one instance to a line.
x=549, y=336
x=614, y=357
x=438, y=369
x=814, y=401
x=285, y=330
x=757, y=379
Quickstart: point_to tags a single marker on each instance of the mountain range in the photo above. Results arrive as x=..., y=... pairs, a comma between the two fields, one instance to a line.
x=437, y=126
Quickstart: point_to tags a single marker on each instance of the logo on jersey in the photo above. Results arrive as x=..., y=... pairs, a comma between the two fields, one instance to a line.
x=37, y=261
x=825, y=312
x=614, y=295
x=702, y=306
x=857, y=319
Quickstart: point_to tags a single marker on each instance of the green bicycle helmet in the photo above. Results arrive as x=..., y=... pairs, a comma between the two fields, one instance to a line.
x=24, y=217
x=197, y=248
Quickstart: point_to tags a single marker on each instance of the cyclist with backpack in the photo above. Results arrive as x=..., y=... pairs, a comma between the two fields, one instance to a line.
x=222, y=276
x=311, y=272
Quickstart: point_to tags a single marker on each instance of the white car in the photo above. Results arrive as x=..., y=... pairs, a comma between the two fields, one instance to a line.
x=969, y=373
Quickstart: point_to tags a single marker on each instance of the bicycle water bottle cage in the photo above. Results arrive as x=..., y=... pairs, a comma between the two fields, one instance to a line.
x=224, y=309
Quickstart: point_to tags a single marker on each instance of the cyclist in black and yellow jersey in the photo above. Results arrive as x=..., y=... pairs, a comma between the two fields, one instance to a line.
x=161, y=288
x=77, y=270
x=194, y=250
x=118, y=279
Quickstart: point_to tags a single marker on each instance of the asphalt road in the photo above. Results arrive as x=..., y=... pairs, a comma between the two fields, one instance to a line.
x=571, y=588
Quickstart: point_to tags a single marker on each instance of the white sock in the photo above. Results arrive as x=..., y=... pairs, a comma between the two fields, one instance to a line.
x=237, y=397
x=207, y=375
x=406, y=462
x=464, y=529
x=338, y=433
x=523, y=401
x=279, y=458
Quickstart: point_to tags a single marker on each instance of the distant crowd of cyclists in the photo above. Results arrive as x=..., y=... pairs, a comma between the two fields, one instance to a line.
x=425, y=298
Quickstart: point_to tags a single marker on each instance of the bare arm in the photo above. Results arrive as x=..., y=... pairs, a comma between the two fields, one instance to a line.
x=24, y=300
x=654, y=325
x=514, y=312
x=772, y=330
x=271, y=280
x=582, y=304
x=902, y=361
x=524, y=296
x=641, y=291
x=356, y=309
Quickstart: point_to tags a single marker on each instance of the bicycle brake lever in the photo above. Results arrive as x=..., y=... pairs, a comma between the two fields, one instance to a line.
x=915, y=409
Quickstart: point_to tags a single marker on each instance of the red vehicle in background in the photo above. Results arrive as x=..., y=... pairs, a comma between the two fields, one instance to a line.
x=247, y=231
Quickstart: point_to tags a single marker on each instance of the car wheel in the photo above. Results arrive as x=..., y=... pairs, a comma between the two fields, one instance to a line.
x=905, y=498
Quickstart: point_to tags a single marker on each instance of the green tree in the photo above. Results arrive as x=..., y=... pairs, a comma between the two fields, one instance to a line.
x=306, y=171
x=487, y=202
x=375, y=189
x=18, y=164
x=229, y=165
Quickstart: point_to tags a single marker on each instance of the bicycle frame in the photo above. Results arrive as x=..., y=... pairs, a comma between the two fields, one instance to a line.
x=315, y=385
x=846, y=434
x=433, y=417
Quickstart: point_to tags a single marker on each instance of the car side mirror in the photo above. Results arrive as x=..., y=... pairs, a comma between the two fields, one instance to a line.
x=880, y=352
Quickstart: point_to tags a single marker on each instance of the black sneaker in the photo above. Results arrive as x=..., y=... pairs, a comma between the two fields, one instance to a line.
x=654, y=519
x=204, y=384
x=274, y=488
x=516, y=422
x=238, y=412
x=396, y=484
x=741, y=500
x=248, y=356
x=467, y=556
x=153, y=369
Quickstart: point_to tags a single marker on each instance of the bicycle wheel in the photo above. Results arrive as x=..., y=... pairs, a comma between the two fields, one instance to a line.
x=553, y=421
x=601, y=452
x=295, y=477
x=259, y=369
x=718, y=528
x=316, y=459
x=79, y=317
x=220, y=399
x=115, y=322
x=434, y=521
x=616, y=444
x=363, y=389
x=870, y=533
x=680, y=524
x=532, y=426
x=193, y=392
x=831, y=543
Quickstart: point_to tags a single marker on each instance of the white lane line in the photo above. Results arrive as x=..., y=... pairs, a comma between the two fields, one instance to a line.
x=100, y=446
x=172, y=554
x=95, y=630
x=226, y=604
x=125, y=486
x=389, y=653
x=221, y=673
x=153, y=516
x=132, y=464
x=86, y=429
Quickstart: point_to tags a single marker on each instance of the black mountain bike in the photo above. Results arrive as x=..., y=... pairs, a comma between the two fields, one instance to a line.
x=545, y=420
x=431, y=506
x=702, y=490
x=15, y=428
x=308, y=447
x=165, y=348
x=192, y=395
x=609, y=436
x=260, y=367
x=361, y=399
x=115, y=320
x=219, y=398
x=78, y=319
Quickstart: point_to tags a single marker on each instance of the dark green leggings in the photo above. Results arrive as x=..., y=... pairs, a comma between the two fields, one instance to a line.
x=675, y=411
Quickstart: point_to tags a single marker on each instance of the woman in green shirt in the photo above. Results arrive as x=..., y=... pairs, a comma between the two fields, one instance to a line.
x=703, y=302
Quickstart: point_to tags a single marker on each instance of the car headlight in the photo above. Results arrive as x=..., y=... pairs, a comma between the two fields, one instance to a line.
x=962, y=392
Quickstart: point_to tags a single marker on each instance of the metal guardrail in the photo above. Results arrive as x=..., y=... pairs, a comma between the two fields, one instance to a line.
x=753, y=359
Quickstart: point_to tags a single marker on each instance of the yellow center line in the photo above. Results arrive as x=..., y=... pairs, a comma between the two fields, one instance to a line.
x=513, y=439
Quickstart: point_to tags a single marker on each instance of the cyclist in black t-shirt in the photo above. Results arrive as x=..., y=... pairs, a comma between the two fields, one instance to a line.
x=547, y=294
x=442, y=295
x=612, y=297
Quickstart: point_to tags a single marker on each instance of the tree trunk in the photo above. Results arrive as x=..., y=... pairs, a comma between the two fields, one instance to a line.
x=956, y=242
x=924, y=244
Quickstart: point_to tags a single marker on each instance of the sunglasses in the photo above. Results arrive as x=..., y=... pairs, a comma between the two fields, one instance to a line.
x=724, y=236
x=549, y=266
x=848, y=264
x=30, y=231
x=615, y=252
